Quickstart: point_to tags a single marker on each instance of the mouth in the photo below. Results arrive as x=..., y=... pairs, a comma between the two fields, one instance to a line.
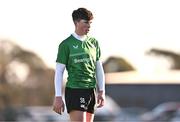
x=86, y=30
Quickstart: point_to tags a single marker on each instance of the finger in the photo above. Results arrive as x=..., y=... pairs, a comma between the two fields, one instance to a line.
x=101, y=103
x=98, y=103
x=62, y=108
x=54, y=108
x=57, y=109
x=98, y=100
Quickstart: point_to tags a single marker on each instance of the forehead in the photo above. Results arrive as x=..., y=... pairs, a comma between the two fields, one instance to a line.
x=85, y=21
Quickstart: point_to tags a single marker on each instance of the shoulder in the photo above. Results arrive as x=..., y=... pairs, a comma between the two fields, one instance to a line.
x=92, y=39
x=66, y=41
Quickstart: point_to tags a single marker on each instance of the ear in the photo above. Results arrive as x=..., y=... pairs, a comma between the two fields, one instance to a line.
x=75, y=21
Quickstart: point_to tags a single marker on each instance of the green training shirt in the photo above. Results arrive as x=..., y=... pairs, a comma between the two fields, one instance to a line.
x=80, y=59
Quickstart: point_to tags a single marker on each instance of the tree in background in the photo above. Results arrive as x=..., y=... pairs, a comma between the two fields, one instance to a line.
x=24, y=78
x=117, y=64
x=173, y=57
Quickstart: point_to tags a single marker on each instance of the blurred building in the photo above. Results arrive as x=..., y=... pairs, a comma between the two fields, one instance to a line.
x=131, y=88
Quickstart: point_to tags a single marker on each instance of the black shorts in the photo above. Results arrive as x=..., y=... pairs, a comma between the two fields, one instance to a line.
x=80, y=99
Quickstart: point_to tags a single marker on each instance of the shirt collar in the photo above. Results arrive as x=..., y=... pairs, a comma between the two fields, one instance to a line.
x=81, y=38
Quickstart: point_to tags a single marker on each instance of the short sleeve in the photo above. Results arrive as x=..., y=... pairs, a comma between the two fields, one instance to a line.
x=63, y=54
x=98, y=51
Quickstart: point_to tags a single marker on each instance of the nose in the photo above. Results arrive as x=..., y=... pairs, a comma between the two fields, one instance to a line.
x=89, y=25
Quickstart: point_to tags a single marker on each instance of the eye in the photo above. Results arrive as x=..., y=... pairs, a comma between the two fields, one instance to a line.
x=88, y=22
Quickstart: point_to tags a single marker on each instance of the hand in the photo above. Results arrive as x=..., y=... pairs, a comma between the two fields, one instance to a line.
x=58, y=105
x=100, y=99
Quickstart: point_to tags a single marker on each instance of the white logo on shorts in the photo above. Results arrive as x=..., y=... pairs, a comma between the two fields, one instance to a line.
x=82, y=100
x=83, y=103
x=82, y=106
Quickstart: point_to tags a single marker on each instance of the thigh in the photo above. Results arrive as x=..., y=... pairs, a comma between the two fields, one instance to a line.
x=81, y=116
x=78, y=116
x=89, y=117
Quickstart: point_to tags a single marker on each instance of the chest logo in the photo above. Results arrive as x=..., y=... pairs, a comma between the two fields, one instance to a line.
x=75, y=46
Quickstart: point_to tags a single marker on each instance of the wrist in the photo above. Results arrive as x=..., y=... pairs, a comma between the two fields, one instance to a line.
x=101, y=92
x=58, y=97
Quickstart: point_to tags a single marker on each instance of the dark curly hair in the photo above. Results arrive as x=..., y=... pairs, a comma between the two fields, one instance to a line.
x=82, y=13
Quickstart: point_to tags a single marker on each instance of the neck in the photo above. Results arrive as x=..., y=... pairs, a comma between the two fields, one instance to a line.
x=79, y=33
x=79, y=37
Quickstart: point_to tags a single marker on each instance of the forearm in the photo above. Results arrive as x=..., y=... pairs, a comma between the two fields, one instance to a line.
x=58, y=80
x=100, y=77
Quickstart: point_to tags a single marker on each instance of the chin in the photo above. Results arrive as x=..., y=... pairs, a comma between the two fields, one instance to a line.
x=87, y=32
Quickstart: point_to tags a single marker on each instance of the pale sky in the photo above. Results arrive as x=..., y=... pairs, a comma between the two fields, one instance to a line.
x=125, y=28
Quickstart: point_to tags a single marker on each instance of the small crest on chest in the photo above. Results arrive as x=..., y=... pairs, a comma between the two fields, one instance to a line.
x=75, y=46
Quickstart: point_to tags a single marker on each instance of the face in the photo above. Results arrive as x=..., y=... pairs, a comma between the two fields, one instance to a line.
x=82, y=27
